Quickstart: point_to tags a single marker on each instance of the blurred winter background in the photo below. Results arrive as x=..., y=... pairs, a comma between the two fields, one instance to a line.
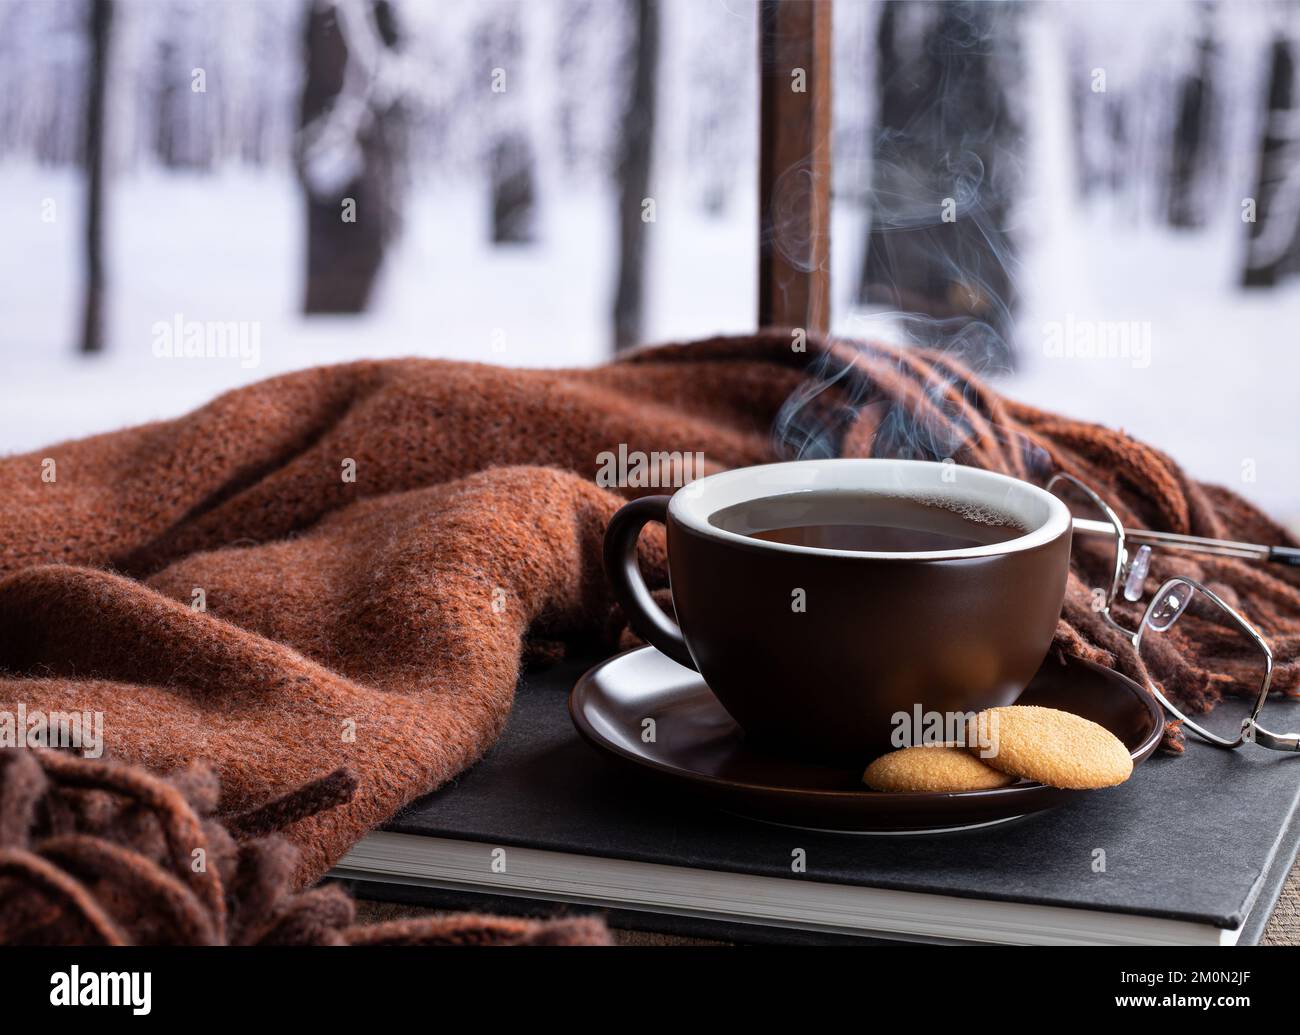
x=1123, y=176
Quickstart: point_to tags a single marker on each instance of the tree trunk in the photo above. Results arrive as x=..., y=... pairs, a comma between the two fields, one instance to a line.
x=351, y=209
x=92, y=314
x=514, y=195
x=1082, y=122
x=1191, y=129
x=943, y=174
x=636, y=153
x=1272, y=236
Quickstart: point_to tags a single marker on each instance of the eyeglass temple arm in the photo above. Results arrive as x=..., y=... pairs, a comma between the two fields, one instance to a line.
x=1276, y=741
x=1194, y=544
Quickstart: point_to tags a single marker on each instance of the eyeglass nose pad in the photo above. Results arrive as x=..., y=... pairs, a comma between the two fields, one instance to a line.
x=1166, y=611
x=1137, y=574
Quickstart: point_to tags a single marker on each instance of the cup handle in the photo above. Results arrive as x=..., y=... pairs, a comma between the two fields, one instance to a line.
x=645, y=616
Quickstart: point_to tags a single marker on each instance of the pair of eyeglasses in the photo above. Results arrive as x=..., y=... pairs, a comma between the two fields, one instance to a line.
x=1186, y=627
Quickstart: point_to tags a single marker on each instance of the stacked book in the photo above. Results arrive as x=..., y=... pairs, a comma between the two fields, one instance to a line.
x=1192, y=850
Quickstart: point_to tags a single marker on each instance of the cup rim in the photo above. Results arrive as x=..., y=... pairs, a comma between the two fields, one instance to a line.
x=695, y=503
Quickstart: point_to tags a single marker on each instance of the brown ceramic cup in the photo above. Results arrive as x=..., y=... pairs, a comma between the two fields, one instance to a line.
x=879, y=633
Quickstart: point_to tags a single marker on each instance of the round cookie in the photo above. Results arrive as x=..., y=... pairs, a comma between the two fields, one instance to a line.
x=932, y=767
x=1053, y=747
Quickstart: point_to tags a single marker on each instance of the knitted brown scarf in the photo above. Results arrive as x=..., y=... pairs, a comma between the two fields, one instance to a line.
x=341, y=567
x=100, y=853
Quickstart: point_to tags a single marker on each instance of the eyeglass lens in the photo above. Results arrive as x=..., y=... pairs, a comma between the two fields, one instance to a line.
x=1207, y=664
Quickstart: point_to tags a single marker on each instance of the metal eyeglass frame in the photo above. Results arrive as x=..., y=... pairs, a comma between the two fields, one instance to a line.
x=1165, y=597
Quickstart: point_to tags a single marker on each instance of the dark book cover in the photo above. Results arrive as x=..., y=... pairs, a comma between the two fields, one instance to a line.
x=1206, y=837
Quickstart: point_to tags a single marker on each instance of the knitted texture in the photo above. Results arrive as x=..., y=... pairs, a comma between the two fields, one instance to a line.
x=376, y=622
x=100, y=853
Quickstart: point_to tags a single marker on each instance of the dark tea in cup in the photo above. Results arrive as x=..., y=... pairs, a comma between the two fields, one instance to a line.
x=868, y=522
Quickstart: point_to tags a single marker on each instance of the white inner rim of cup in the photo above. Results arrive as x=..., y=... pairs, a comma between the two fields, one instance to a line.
x=1035, y=509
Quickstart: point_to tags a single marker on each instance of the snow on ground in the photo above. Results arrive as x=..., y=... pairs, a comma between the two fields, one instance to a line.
x=229, y=248
x=1207, y=372
x=1217, y=392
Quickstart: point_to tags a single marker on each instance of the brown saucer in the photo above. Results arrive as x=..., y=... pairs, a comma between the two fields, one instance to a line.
x=698, y=749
